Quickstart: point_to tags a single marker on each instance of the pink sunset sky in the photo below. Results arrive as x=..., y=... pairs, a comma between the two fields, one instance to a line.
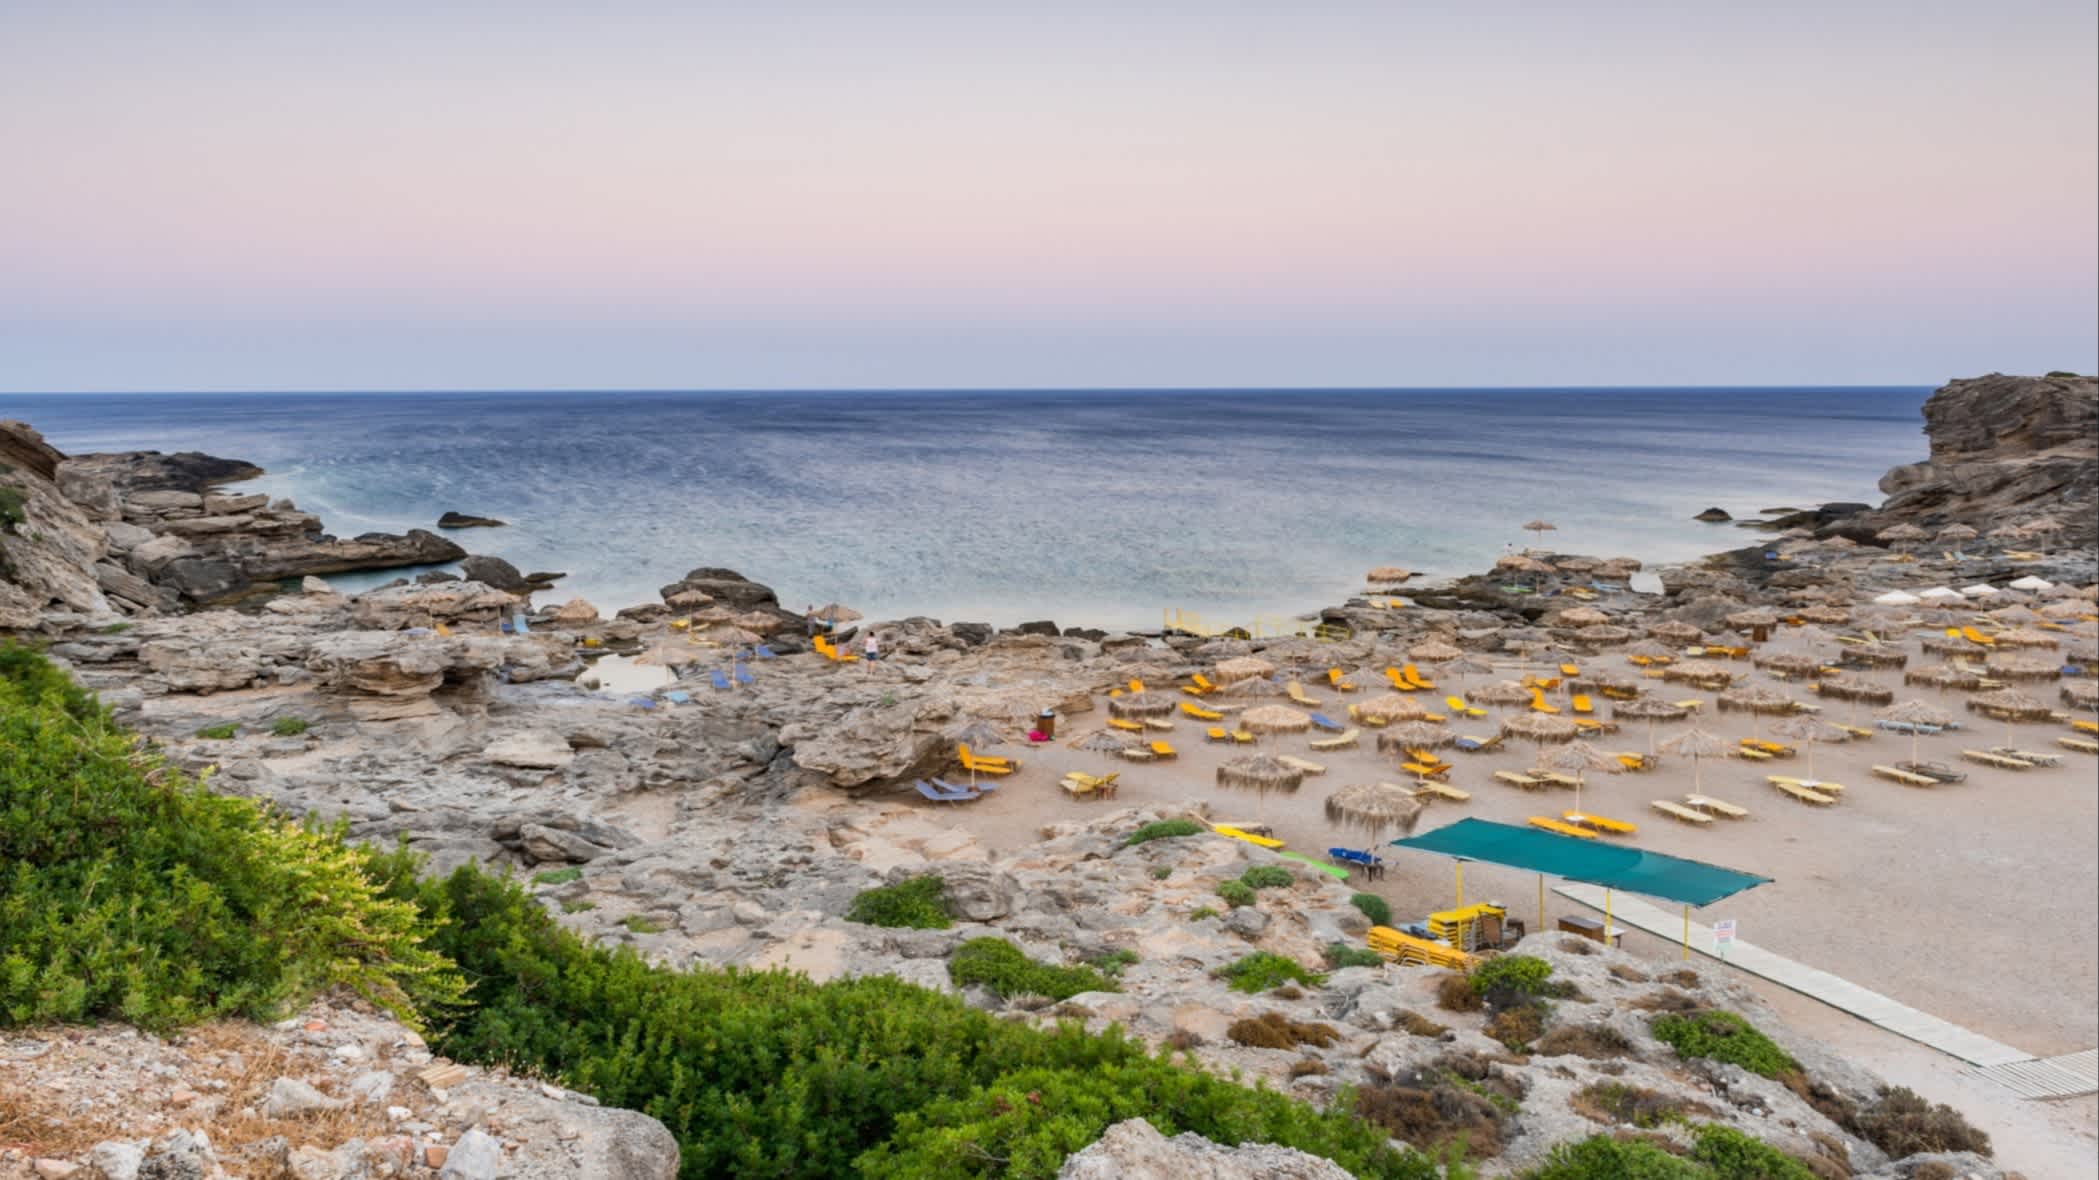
x=384, y=196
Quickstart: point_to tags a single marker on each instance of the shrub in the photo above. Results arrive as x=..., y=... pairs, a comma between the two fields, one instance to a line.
x=1417, y=1025
x=1595, y=1041
x=919, y=903
x=1374, y=908
x=1236, y=893
x=1612, y=1103
x=1506, y=976
x=1443, y=1111
x=1273, y=1030
x=1623, y=973
x=1260, y=877
x=1262, y=970
x=289, y=726
x=1002, y=967
x=1111, y=963
x=12, y=517
x=129, y=892
x=1734, y=1156
x=1902, y=1122
x=218, y=733
x=1340, y=954
x=1164, y=829
x=578, y=907
x=640, y=924
x=1305, y=1067
x=1454, y=994
x=1518, y=1025
x=557, y=876
x=1200, y=912
x=1162, y=872
x=1723, y=1036
x=1602, y=1157
x=1668, y=1000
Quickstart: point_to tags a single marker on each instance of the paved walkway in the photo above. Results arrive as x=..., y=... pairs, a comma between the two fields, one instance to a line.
x=1821, y=985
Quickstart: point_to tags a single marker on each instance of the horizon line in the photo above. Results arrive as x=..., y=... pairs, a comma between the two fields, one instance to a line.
x=986, y=389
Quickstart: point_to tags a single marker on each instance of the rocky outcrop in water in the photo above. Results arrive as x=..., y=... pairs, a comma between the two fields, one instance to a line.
x=2005, y=451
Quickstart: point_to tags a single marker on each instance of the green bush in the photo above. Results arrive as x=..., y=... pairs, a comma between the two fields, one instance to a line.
x=116, y=628
x=1511, y=975
x=1162, y=872
x=218, y=733
x=1200, y=912
x=1260, y=877
x=1601, y=1157
x=639, y=924
x=1722, y=1036
x=289, y=726
x=917, y=904
x=1734, y=1156
x=12, y=516
x=1340, y=954
x=1374, y=908
x=1112, y=962
x=578, y=907
x=1235, y=893
x=129, y=892
x=1002, y=967
x=1262, y=970
x=1162, y=830
x=1902, y=1122
x=557, y=876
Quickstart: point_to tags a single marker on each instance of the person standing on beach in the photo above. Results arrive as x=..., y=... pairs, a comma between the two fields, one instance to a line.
x=870, y=649
x=809, y=620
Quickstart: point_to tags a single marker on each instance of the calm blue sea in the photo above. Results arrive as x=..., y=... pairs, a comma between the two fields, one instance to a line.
x=1094, y=507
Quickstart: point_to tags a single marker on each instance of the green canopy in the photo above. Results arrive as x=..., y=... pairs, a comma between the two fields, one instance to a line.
x=1613, y=866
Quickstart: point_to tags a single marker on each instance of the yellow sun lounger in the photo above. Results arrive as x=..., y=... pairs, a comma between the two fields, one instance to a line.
x=1158, y=723
x=1300, y=765
x=1680, y=812
x=1296, y=692
x=1198, y=686
x=1398, y=679
x=1126, y=725
x=1582, y=703
x=1257, y=841
x=1519, y=779
x=1554, y=778
x=1338, y=682
x=1459, y=708
x=1590, y=726
x=1635, y=761
x=1564, y=829
x=1772, y=748
x=2000, y=761
x=1858, y=733
x=1897, y=774
x=1199, y=713
x=1217, y=734
x=1753, y=754
x=1819, y=786
x=2085, y=726
x=1426, y=770
x=1243, y=737
x=1609, y=827
x=1406, y=949
x=1136, y=686
x=1538, y=704
x=1977, y=638
x=1570, y=670
x=2081, y=745
x=1712, y=806
x=1690, y=705
x=1340, y=741
x=1164, y=750
x=1444, y=791
x=1414, y=677
x=1804, y=795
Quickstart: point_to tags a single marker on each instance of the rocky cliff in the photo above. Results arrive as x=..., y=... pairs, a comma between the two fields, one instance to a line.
x=2006, y=451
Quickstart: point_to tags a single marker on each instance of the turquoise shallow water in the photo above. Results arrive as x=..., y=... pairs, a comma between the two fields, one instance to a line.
x=1096, y=507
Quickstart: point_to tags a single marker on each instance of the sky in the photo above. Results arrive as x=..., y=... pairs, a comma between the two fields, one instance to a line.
x=269, y=196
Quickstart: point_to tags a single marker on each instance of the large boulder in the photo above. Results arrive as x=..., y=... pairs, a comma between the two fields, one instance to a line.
x=1133, y=1150
x=494, y=571
x=871, y=744
x=396, y=607
x=2005, y=450
x=724, y=586
x=201, y=664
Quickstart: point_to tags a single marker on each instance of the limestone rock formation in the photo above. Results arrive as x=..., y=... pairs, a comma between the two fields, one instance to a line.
x=464, y=520
x=1133, y=1150
x=2005, y=450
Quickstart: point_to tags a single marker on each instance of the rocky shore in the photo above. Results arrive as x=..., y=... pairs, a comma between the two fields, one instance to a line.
x=734, y=827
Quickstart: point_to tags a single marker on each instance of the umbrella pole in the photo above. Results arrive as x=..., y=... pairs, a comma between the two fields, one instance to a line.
x=1460, y=866
x=1687, y=932
x=1541, y=903
x=1606, y=917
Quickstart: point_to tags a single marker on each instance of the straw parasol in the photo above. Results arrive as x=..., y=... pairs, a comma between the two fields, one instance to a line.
x=1649, y=710
x=1954, y=534
x=2025, y=637
x=1915, y=713
x=1788, y=663
x=1826, y=614
x=1435, y=651
x=1708, y=674
x=1944, y=676
x=1539, y=727
x=1540, y=527
x=1902, y=534
x=1603, y=682
x=1275, y=719
x=1243, y=668
x=1142, y=704
x=1698, y=745
x=1603, y=636
x=1811, y=730
x=2081, y=694
x=2065, y=608
x=1103, y=741
x=1875, y=655
x=1254, y=686
x=1675, y=631
x=1388, y=574
x=837, y=613
x=1582, y=616
x=1261, y=774
x=1651, y=649
x=1466, y=667
x=1414, y=735
x=1757, y=700
x=1376, y=808
x=1501, y=692
x=1753, y=617
x=1838, y=687
x=1394, y=706
x=2084, y=652
x=2010, y=706
x=1579, y=757
x=2019, y=666
x=975, y=732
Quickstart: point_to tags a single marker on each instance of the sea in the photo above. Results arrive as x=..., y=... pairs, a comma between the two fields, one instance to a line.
x=1103, y=508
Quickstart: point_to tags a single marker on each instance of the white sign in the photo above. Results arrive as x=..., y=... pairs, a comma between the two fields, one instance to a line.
x=1723, y=932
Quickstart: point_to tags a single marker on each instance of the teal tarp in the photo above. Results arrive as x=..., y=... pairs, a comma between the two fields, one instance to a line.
x=1613, y=866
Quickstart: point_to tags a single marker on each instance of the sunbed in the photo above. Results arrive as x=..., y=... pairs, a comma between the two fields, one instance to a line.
x=1301, y=765
x=1609, y=827
x=1351, y=856
x=1426, y=770
x=1772, y=748
x=2079, y=744
x=1519, y=779
x=1636, y=761
x=1561, y=827
x=1243, y=737
x=1136, y=685
x=1582, y=703
x=1405, y=949
x=1820, y=786
x=1556, y=778
x=1295, y=690
x=1198, y=686
x=1322, y=721
x=1590, y=726
x=1158, y=723
x=1904, y=777
x=1977, y=638
x=1538, y=704
x=1164, y=750
x=1857, y=733
x=1340, y=741
x=1199, y=713
x=2085, y=726
x=1719, y=807
x=1334, y=871
x=719, y=679
x=1689, y=705
x=1478, y=745
x=743, y=675
x=1679, y=812
x=1752, y=753
x=1459, y=708
x=971, y=760
x=1338, y=682
x=1361, y=718
x=1444, y=791
x=1217, y=733
x=1257, y=841
x=983, y=788
x=1414, y=677
x=1126, y=725
x=1934, y=770
x=2000, y=761
x=939, y=796
x=1570, y=670
x=1805, y=795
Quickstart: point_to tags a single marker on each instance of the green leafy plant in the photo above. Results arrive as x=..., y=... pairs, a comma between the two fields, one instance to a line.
x=1902, y=1122
x=1722, y=1036
x=289, y=726
x=1340, y=954
x=1262, y=970
x=116, y=628
x=639, y=924
x=1200, y=912
x=919, y=903
x=1008, y=972
x=1511, y=975
x=1235, y=893
x=575, y=906
x=557, y=876
x=1733, y=1155
x=1603, y=1157
x=1374, y=908
x=1162, y=872
x=1164, y=829
x=12, y=516
x=1111, y=963
x=1259, y=877
x=218, y=733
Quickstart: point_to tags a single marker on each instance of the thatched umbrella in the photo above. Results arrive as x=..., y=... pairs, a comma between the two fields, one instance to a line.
x=1261, y=774
x=2010, y=706
x=1242, y=668
x=1388, y=575
x=1604, y=682
x=976, y=733
x=1275, y=719
x=2016, y=666
x=1602, y=636
x=1875, y=655
x=1811, y=730
x=1707, y=674
x=1393, y=706
x=1698, y=745
x=1376, y=808
x=1674, y=631
x=1788, y=663
x=1954, y=534
x=1255, y=686
x=1414, y=735
x=1539, y=727
x=1839, y=687
x=1103, y=741
x=1913, y=713
x=1142, y=704
x=2065, y=608
x=1579, y=757
x=2081, y=694
x=1518, y=563
x=2084, y=653
x=1945, y=676
x=837, y=613
x=1902, y=534
x=1465, y=667
x=1578, y=564
x=1539, y=528
x=2016, y=614
x=1581, y=616
x=1757, y=700
x=1501, y=692
x=2025, y=637
x=1753, y=617
x=1649, y=710
x=1651, y=650
x=1435, y=651
x=1826, y=614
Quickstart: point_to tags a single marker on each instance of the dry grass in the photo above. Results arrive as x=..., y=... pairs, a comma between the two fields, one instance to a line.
x=1668, y=1000
x=1454, y=994
x=1682, y=977
x=1273, y=1030
x=1517, y=1026
x=1628, y=974
x=1594, y=1041
x=1578, y=946
x=1417, y=1025
x=1456, y=1099
x=40, y=1125
x=1612, y=1104
x=1305, y=1067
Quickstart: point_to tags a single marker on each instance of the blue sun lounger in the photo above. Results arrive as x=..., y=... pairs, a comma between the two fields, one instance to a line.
x=678, y=698
x=964, y=789
x=762, y=652
x=719, y=679
x=939, y=796
x=743, y=675
x=1327, y=723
